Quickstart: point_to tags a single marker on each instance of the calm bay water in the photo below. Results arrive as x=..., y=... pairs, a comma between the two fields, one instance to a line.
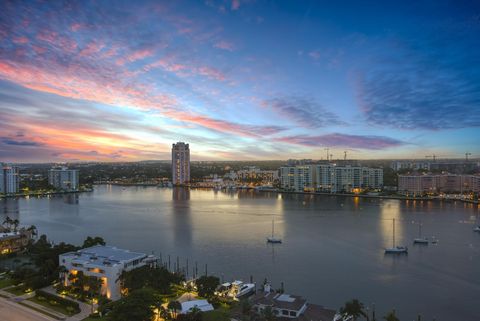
x=332, y=250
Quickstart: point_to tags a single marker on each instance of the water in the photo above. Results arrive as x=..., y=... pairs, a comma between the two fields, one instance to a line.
x=332, y=250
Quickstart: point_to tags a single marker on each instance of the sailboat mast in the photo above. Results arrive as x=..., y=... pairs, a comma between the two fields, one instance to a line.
x=393, y=233
x=420, y=230
x=273, y=226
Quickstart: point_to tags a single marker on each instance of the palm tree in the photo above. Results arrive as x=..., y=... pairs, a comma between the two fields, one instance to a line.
x=33, y=229
x=268, y=314
x=354, y=309
x=15, y=224
x=7, y=224
x=391, y=316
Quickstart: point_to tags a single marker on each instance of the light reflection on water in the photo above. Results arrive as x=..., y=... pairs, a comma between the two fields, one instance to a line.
x=332, y=250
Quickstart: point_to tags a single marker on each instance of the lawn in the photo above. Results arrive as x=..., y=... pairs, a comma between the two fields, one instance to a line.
x=216, y=315
x=94, y=319
x=57, y=306
x=5, y=282
x=17, y=290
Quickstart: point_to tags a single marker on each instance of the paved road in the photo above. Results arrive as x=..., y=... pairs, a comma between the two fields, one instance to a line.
x=11, y=311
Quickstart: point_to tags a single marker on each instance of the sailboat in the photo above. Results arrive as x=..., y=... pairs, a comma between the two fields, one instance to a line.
x=420, y=239
x=273, y=239
x=477, y=228
x=396, y=249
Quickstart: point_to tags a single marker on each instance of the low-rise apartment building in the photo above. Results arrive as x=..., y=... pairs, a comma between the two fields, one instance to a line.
x=438, y=183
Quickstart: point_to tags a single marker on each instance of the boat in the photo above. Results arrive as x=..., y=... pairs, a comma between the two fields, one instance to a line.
x=420, y=240
x=477, y=228
x=245, y=289
x=396, y=249
x=237, y=289
x=273, y=239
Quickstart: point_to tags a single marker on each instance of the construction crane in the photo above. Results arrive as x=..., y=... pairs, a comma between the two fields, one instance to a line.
x=327, y=153
x=434, y=157
x=466, y=156
x=345, y=155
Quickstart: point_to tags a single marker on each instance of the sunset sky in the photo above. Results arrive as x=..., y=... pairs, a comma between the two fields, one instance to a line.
x=123, y=80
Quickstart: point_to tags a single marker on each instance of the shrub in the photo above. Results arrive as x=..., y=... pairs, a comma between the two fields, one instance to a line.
x=56, y=300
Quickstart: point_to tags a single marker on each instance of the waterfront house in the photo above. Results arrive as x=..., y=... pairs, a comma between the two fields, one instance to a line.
x=14, y=241
x=290, y=307
x=106, y=263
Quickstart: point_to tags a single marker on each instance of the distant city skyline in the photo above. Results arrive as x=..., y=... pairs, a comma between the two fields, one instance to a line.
x=238, y=80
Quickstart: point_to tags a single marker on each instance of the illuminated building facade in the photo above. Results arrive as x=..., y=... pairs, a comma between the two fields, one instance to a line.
x=9, y=179
x=64, y=178
x=180, y=163
x=105, y=263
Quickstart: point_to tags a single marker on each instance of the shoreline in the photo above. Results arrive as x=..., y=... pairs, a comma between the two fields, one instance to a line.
x=398, y=197
x=44, y=194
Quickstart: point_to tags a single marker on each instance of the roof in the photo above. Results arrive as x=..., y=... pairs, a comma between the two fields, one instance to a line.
x=280, y=301
x=203, y=305
x=317, y=313
x=103, y=255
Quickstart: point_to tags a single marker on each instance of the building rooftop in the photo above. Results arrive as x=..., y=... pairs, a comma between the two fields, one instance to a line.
x=100, y=255
x=281, y=301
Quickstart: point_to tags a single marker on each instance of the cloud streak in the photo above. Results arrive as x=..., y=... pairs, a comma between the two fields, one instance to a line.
x=369, y=142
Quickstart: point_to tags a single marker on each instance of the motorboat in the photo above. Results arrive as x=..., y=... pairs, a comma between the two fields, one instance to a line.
x=245, y=290
x=223, y=289
x=396, y=249
x=272, y=238
x=477, y=228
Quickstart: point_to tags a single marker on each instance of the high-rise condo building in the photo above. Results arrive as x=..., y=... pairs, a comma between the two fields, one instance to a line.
x=9, y=179
x=180, y=163
x=64, y=178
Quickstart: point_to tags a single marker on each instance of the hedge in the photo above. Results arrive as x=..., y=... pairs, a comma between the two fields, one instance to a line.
x=65, y=302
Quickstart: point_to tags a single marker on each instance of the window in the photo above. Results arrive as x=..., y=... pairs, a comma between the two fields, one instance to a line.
x=285, y=312
x=293, y=313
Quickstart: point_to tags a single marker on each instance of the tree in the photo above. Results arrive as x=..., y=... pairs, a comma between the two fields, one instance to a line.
x=92, y=241
x=353, y=308
x=246, y=306
x=137, y=306
x=391, y=316
x=158, y=278
x=174, y=306
x=268, y=314
x=206, y=285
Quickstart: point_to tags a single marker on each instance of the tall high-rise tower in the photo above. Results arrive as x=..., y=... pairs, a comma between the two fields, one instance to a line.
x=180, y=163
x=9, y=179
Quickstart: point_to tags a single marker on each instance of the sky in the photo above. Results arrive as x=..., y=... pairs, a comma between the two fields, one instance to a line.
x=238, y=79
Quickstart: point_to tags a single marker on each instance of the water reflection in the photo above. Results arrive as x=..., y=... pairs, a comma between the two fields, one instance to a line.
x=181, y=217
x=64, y=205
x=389, y=210
x=10, y=208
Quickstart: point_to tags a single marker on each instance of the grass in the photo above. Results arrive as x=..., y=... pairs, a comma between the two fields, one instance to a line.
x=16, y=290
x=5, y=282
x=94, y=318
x=40, y=311
x=216, y=315
x=59, y=307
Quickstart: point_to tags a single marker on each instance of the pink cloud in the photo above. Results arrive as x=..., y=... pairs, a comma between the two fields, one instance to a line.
x=225, y=45
x=235, y=4
x=136, y=55
x=343, y=140
x=20, y=40
x=91, y=48
x=211, y=73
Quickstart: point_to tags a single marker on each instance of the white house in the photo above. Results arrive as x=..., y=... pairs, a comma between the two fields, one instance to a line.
x=106, y=263
x=202, y=305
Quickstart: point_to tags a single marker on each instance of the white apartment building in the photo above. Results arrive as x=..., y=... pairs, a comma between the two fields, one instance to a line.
x=180, y=163
x=106, y=263
x=297, y=178
x=330, y=178
x=64, y=178
x=9, y=179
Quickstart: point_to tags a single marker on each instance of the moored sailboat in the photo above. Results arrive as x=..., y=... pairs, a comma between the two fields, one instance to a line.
x=395, y=249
